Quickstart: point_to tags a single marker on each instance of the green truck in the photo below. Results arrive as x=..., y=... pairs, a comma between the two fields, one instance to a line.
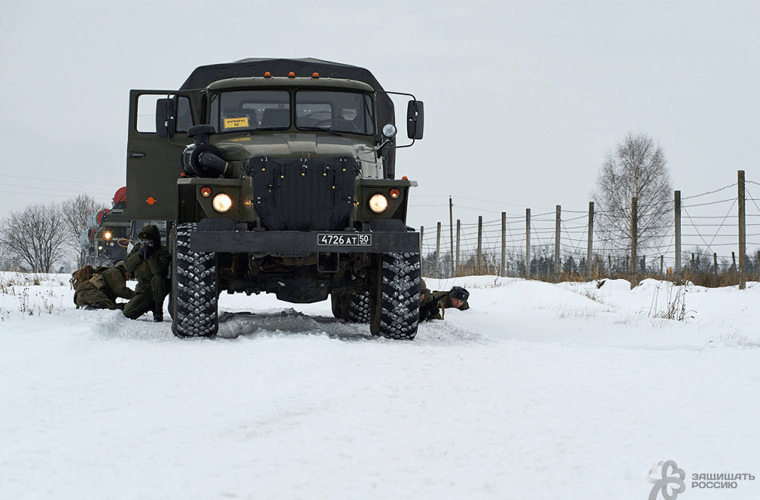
x=278, y=176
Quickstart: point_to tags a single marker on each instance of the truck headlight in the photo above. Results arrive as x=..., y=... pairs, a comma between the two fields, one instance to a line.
x=378, y=203
x=222, y=202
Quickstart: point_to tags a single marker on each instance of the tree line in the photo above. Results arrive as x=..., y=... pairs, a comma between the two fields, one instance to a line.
x=45, y=238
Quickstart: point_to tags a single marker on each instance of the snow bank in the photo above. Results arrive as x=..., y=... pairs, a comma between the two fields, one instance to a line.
x=569, y=391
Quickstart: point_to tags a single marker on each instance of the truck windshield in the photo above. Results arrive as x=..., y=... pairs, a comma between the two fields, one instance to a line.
x=329, y=110
x=249, y=110
x=337, y=111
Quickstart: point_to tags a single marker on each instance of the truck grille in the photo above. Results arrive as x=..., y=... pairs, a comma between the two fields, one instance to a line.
x=307, y=194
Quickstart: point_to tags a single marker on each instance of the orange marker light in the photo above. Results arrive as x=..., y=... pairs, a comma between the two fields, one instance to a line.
x=206, y=192
x=315, y=75
x=267, y=75
x=291, y=75
x=405, y=178
x=395, y=193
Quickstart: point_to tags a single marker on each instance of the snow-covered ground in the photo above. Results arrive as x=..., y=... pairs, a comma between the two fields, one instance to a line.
x=539, y=391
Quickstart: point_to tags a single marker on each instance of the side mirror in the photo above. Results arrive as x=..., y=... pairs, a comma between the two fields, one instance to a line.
x=166, y=121
x=415, y=119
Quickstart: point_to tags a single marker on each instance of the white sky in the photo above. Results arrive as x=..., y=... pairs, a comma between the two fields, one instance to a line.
x=522, y=99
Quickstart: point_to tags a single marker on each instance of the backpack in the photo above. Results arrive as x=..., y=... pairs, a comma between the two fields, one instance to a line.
x=97, y=280
x=81, y=276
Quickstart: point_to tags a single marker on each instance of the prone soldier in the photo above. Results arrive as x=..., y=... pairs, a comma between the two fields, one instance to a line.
x=434, y=304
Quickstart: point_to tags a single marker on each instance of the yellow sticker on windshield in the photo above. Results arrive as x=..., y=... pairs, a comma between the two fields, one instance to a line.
x=236, y=122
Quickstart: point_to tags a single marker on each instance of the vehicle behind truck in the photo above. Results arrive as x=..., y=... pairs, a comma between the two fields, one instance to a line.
x=278, y=176
x=106, y=239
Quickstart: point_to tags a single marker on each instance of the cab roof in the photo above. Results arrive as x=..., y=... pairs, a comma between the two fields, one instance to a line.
x=202, y=76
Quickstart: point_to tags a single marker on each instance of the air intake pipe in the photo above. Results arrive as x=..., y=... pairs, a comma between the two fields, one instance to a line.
x=203, y=159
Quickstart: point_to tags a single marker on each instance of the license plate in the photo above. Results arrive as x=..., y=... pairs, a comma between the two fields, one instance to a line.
x=344, y=240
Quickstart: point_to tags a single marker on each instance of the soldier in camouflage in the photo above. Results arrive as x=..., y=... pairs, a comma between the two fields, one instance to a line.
x=434, y=304
x=149, y=262
x=99, y=288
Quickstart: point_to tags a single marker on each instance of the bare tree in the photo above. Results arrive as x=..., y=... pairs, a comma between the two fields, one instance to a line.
x=75, y=213
x=35, y=236
x=637, y=168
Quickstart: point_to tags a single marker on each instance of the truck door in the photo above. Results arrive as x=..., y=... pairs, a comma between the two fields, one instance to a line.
x=158, y=122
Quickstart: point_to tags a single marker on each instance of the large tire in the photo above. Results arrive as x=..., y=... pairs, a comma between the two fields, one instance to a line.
x=396, y=298
x=194, y=287
x=352, y=307
x=358, y=307
x=337, y=300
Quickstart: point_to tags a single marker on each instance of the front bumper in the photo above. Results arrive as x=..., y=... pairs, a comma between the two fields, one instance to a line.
x=223, y=235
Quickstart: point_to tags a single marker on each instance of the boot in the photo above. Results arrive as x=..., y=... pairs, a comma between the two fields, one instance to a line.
x=158, y=311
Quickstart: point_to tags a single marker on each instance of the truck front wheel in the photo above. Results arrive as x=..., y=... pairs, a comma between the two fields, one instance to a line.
x=194, y=287
x=396, y=296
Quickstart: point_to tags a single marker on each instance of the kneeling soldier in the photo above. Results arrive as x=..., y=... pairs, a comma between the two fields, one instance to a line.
x=149, y=262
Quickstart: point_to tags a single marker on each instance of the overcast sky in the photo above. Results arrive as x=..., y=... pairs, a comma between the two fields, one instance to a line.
x=522, y=99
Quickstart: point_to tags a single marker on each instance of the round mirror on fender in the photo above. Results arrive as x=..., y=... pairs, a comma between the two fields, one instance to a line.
x=389, y=131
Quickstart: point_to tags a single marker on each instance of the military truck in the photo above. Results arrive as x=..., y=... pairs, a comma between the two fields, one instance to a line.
x=278, y=176
x=107, y=237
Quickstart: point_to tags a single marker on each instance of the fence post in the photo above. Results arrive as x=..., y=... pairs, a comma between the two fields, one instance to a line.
x=438, y=251
x=557, y=223
x=503, y=243
x=678, y=232
x=527, y=242
x=715, y=263
x=609, y=264
x=480, y=244
x=589, y=251
x=634, y=238
x=742, y=236
x=662, y=264
x=451, y=236
x=459, y=232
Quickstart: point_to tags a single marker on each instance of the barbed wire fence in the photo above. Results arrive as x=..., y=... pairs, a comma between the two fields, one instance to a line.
x=706, y=241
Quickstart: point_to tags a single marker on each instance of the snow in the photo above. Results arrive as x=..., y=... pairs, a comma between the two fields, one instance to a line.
x=569, y=390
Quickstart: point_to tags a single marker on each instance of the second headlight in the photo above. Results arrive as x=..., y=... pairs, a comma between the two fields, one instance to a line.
x=378, y=203
x=222, y=202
